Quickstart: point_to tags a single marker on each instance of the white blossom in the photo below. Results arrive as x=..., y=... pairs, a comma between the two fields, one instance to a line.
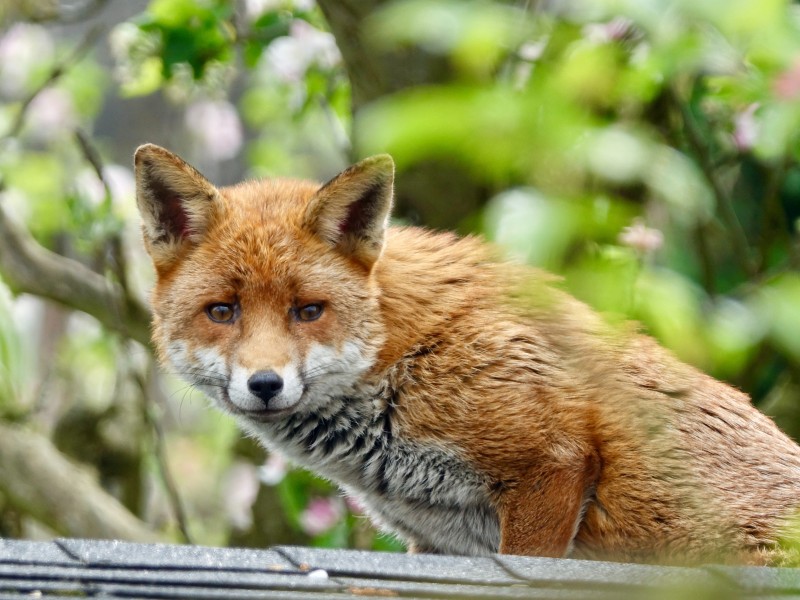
x=51, y=115
x=22, y=48
x=241, y=489
x=274, y=470
x=289, y=57
x=216, y=127
x=120, y=181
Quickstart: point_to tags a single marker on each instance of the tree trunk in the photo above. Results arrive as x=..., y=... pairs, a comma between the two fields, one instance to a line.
x=440, y=194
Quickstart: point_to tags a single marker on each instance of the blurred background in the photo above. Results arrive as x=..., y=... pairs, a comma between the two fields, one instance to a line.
x=645, y=150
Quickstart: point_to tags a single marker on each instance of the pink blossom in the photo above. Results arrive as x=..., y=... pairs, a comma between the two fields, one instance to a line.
x=787, y=85
x=641, y=238
x=320, y=515
x=614, y=30
x=745, y=128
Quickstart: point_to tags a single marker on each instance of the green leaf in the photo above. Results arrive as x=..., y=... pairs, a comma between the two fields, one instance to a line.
x=86, y=82
x=777, y=305
x=498, y=132
x=670, y=306
x=178, y=13
x=147, y=79
x=49, y=213
x=475, y=34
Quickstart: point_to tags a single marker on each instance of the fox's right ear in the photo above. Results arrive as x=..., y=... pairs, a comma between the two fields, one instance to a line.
x=176, y=203
x=351, y=211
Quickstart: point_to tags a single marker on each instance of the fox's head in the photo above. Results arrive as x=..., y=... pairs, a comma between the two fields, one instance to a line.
x=265, y=296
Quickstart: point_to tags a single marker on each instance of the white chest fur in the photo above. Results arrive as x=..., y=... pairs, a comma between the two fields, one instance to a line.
x=422, y=493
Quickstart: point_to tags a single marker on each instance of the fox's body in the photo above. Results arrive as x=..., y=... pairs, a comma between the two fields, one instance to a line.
x=469, y=405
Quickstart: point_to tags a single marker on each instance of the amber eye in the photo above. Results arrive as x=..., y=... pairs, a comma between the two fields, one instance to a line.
x=309, y=312
x=220, y=312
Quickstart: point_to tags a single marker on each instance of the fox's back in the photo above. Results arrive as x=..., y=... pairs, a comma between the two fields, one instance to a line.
x=689, y=457
x=511, y=370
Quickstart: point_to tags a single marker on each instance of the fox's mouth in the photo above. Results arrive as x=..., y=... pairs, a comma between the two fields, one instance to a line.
x=264, y=415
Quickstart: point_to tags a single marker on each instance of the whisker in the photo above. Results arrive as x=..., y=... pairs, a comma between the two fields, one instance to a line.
x=195, y=369
x=320, y=373
x=201, y=373
x=202, y=377
x=319, y=370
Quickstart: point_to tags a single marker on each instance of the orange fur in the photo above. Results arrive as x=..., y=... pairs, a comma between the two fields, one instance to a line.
x=591, y=441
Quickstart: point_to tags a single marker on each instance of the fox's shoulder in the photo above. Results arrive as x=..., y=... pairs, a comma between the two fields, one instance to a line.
x=421, y=247
x=437, y=270
x=444, y=265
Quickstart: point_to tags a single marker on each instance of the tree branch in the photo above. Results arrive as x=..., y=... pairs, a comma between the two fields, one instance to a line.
x=375, y=72
x=28, y=267
x=154, y=420
x=54, y=12
x=92, y=156
x=773, y=217
x=724, y=202
x=706, y=261
x=55, y=74
x=39, y=481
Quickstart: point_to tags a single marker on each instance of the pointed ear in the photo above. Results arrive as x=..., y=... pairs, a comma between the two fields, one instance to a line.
x=176, y=203
x=351, y=211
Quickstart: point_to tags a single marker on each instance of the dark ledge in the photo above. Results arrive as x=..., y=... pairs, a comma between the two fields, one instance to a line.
x=70, y=568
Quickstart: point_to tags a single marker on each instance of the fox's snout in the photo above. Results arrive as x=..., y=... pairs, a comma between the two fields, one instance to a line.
x=265, y=385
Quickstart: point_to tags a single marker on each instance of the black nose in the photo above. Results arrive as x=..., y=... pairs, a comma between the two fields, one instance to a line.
x=265, y=385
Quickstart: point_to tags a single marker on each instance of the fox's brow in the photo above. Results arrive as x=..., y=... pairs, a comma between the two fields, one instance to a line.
x=216, y=286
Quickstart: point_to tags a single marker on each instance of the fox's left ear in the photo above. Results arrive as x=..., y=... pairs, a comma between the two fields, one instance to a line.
x=176, y=202
x=351, y=211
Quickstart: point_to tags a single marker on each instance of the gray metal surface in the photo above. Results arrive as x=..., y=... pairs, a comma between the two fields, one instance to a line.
x=69, y=568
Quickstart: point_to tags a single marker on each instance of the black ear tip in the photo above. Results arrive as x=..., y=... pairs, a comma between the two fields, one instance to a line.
x=147, y=151
x=380, y=161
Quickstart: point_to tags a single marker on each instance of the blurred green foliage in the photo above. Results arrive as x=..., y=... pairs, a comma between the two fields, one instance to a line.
x=645, y=150
x=680, y=114
x=10, y=349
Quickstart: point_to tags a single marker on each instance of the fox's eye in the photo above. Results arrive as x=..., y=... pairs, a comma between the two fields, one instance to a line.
x=220, y=312
x=309, y=312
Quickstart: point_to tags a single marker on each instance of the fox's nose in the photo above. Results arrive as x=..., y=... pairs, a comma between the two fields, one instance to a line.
x=265, y=385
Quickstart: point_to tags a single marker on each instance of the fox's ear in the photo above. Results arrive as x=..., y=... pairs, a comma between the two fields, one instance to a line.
x=176, y=202
x=351, y=211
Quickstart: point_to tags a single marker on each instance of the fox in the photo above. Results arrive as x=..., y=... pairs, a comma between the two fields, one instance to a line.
x=466, y=401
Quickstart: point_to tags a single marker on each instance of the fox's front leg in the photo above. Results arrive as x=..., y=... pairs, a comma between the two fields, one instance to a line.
x=540, y=512
x=418, y=548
